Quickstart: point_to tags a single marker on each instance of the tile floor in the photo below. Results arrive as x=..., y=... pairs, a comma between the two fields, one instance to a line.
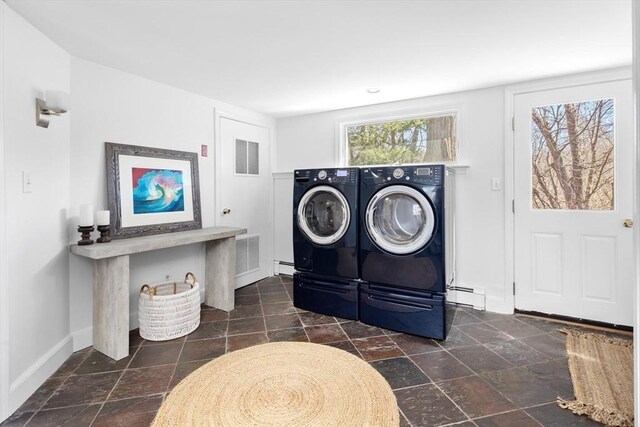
x=493, y=370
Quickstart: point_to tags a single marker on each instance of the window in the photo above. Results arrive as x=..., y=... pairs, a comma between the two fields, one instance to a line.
x=572, y=162
x=412, y=140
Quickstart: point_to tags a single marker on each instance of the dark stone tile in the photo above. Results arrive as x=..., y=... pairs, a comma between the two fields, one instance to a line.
x=346, y=346
x=486, y=316
x=548, y=345
x=282, y=321
x=400, y=372
x=269, y=281
x=213, y=315
x=202, y=349
x=270, y=288
x=520, y=386
x=411, y=344
x=98, y=362
x=275, y=297
x=440, y=365
x=356, y=330
x=178, y=340
x=76, y=416
x=83, y=389
x=136, y=412
x=72, y=363
x=243, y=300
x=554, y=374
x=403, y=421
x=278, y=308
x=457, y=338
x=484, y=333
x=134, y=338
x=542, y=324
x=376, y=348
x=515, y=328
x=508, y=419
x=40, y=396
x=156, y=355
x=238, y=342
x=516, y=352
x=246, y=311
x=325, y=334
x=294, y=334
x=209, y=330
x=551, y=415
x=476, y=397
x=183, y=370
x=309, y=318
x=246, y=326
x=17, y=419
x=247, y=290
x=425, y=405
x=143, y=382
x=463, y=318
x=480, y=359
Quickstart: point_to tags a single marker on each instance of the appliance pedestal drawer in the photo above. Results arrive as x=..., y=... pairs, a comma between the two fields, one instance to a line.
x=417, y=313
x=326, y=295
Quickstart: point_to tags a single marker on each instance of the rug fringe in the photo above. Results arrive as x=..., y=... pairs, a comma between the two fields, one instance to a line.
x=598, y=337
x=601, y=415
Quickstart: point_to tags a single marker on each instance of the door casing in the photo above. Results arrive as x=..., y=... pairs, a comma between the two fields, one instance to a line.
x=510, y=92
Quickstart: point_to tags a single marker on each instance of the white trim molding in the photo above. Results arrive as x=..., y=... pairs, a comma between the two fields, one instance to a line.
x=4, y=300
x=636, y=187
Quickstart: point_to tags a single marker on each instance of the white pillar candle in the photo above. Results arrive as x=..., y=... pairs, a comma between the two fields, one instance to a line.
x=86, y=216
x=102, y=218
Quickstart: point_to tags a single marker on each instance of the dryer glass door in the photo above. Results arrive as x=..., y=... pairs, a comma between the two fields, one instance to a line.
x=324, y=215
x=400, y=219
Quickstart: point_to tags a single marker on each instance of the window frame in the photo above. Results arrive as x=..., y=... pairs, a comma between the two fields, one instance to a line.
x=342, y=123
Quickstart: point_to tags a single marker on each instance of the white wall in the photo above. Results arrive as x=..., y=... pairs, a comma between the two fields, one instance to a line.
x=636, y=307
x=310, y=141
x=113, y=106
x=37, y=268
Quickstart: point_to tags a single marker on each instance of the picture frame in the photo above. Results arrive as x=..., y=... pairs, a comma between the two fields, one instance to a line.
x=151, y=190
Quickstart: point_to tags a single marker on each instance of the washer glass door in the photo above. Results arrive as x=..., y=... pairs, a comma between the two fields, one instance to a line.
x=323, y=215
x=400, y=219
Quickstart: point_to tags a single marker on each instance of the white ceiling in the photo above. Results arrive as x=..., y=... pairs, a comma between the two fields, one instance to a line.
x=286, y=58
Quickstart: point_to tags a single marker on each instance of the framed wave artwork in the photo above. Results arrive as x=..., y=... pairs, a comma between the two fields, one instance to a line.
x=151, y=190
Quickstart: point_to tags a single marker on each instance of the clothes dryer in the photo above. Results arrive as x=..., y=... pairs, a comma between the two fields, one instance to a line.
x=325, y=241
x=402, y=249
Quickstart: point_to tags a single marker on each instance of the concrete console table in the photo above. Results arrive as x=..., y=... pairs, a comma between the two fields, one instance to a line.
x=111, y=279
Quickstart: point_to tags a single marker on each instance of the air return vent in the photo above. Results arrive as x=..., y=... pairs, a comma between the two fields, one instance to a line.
x=247, y=254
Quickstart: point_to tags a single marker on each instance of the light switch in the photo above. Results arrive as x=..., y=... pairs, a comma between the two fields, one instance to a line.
x=27, y=182
x=496, y=185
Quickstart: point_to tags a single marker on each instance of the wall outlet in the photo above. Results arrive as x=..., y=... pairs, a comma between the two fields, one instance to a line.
x=496, y=185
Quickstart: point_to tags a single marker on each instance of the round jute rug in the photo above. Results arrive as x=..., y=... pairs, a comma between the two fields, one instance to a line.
x=282, y=384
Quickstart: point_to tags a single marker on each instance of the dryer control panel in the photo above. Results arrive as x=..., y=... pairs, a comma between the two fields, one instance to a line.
x=333, y=176
x=427, y=174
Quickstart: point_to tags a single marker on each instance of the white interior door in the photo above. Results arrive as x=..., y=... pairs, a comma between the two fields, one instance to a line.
x=573, y=175
x=244, y=195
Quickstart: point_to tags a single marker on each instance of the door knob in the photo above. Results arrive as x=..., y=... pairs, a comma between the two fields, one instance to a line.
x=628, y=223
x=226, y=211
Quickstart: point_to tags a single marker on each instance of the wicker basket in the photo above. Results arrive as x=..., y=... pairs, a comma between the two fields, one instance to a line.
x=169, y=310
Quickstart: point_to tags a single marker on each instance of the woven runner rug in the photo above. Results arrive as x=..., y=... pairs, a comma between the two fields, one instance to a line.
x=602, y=374
x=282, y=384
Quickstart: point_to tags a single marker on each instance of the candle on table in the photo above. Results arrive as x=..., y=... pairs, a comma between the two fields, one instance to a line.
x=102, y=218
x=86, y=216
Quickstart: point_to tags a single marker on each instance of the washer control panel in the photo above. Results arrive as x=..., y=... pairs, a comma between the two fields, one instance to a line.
x=336, y=176
x=427, y=174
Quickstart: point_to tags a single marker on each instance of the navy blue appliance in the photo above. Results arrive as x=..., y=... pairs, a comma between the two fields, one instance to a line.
x=402, y=253
x=325, y=241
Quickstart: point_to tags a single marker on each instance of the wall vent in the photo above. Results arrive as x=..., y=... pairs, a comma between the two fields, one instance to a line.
x=247, y=253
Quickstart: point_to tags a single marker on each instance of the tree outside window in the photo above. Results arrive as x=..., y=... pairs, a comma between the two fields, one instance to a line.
x=421, y=140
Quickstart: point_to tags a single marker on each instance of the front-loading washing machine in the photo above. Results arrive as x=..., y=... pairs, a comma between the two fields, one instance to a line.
x=325, y=241
x=402, y=249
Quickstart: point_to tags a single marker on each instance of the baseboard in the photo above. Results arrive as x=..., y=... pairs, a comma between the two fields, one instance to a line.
x=474, y=297
x=31, y=379
x=283, y=267
x=497, y=304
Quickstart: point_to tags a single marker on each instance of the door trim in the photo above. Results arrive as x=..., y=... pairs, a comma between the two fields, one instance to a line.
x=218, y=115
x=4, y=277
x=507, y=305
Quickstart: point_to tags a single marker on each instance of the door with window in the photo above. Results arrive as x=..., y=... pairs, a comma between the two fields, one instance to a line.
x=573, y=175
x=244, y=195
